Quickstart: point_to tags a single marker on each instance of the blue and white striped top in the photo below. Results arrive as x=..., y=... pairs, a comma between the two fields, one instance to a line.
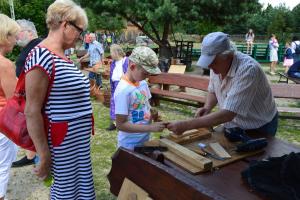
x=69, y=97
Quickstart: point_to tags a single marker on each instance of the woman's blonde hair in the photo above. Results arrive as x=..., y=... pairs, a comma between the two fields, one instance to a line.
x=65, y=10
x=8, y=27
x=117, y=49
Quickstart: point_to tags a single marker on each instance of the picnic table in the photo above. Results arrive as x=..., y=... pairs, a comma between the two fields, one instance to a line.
x=168, y=181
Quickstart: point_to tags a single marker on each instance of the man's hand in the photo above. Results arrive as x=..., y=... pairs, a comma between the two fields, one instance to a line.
x=202, y=111
x=177, y=127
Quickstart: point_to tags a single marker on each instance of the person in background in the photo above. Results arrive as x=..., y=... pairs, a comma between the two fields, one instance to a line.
x=273, y=45
x=288, y=57
x=27, y=39
x=132, y=107
x=117, y=69
x=8, y=81
x=109, y=39
x=294, y=70
x=234, y=79
x=249, y=41
x=63, y=148
x=87, y=40
x=95, y=53
x=295, y=45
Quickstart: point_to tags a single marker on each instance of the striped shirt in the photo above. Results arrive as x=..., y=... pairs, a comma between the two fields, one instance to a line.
x=69, y=99
x=245, y=91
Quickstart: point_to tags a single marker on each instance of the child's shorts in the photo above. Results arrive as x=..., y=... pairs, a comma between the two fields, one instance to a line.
x=288, y=62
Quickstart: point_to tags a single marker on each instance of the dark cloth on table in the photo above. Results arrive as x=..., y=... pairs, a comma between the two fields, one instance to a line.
x=278, y=178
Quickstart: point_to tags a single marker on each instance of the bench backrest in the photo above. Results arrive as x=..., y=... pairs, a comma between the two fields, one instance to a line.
x=282, y=90
x=185, y=80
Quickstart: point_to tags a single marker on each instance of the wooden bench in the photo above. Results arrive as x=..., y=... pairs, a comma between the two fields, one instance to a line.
x=286, y=78
x=182, y=80
x=287, y=91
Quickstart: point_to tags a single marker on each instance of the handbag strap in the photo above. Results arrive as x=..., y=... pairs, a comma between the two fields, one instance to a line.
x=20, y=87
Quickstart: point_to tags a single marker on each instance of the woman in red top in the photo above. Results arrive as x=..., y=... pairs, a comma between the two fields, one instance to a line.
x=8, y=150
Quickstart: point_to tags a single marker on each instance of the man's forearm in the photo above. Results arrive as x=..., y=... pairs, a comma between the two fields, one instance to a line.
x=211, y=101
x=210, y=120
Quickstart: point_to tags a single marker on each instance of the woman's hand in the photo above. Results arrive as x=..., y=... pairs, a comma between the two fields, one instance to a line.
x=42, y=170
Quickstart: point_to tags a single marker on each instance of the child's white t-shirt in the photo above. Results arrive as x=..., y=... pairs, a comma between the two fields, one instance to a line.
x=133, y=101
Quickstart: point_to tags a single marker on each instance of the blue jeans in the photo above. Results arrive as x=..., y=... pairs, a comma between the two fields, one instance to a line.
x=269, y=128
x=97, y=77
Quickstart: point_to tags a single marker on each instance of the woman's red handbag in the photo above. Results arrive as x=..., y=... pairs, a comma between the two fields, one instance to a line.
x=12, y=117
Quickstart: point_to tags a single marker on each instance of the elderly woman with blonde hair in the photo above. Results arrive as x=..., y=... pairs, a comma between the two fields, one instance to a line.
x=117, y=69
x=55, y=86
x=8, y=150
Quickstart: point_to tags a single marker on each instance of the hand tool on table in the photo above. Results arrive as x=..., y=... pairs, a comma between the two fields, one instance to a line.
x=248, y=143
x=149, y=149
x=212, y=155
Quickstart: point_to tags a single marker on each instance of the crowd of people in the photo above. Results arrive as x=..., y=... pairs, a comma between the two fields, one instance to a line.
x=58, y=107
x=291, y=52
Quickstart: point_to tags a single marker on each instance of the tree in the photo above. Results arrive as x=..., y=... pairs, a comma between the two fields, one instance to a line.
x=155, y=17
x=33, y=10
x=104, y=21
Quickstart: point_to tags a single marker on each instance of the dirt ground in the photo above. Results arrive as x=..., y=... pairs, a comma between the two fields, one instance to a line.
x=24, y=185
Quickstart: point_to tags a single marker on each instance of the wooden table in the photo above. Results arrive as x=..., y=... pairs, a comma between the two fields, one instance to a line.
x=168, y=182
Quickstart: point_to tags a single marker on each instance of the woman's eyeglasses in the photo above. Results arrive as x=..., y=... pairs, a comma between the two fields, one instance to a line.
x=80, y=30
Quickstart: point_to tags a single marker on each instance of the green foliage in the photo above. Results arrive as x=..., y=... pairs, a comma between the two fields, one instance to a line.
x=278, y=20
x=155, y=17
x=104, y=21
x=33, y=10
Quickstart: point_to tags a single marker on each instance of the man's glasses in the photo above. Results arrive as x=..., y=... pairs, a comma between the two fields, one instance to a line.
x=80, y=30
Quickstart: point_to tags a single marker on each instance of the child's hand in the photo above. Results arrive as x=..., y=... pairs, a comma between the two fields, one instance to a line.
x=157, y=126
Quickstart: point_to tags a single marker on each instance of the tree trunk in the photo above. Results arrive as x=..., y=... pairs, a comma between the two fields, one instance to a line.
x=165, y=51
x=165, y=48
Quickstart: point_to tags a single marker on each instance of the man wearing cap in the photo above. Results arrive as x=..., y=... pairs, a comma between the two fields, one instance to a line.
x=238, y=85
x=132, y=108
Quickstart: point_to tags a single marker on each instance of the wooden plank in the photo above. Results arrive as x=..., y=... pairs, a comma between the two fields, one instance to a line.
x=197, y=134
x=289, y=109
x=283, y=90
x=177, y=69
x=228, y=146
x=186, y=133
x=186, y=80
x=182, y=162
x=130, y=190
x=187, y=154
x=219, y=150
x=178, y=95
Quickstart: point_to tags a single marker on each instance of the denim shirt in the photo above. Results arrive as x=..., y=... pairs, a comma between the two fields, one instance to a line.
x=95, y=51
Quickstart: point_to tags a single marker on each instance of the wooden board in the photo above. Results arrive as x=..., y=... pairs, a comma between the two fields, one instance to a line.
x=228, y=146
x=130, y=191
x=193, y=146
x=177, y=69
x=187, y=154
x=190, y=136
x=219, y=150
x=181, y=162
